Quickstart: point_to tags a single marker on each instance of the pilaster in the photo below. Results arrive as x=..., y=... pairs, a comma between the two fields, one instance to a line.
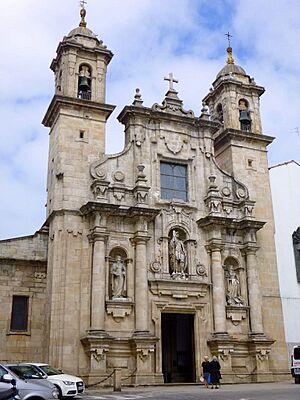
x=218, y=289
x=255, y=300
x=141, y=282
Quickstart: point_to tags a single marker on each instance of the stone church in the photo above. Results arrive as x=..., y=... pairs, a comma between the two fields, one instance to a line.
x=154, y=257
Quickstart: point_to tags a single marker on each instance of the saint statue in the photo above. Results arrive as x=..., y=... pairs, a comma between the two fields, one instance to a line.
x=177, y=254
x=118, y=277
x=233, y=294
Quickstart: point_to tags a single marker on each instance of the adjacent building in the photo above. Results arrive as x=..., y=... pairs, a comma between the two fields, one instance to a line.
x=285, y=186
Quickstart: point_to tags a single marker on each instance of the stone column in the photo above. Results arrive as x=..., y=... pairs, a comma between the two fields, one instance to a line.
x=218, y=290
x=141, y=285
x=98, y=283
x=255, y=301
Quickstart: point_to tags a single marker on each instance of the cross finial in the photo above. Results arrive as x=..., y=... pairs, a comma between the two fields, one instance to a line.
x=82, y=13
x=170, y=78
x=229, y=36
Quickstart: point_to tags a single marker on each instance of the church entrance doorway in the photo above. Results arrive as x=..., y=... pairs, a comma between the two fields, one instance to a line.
x=178, y=351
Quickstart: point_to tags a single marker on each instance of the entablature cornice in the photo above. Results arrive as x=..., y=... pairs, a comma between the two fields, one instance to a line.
x=59, y=101
x=223, y=83
x=119, y=210
x=229, y=135
x=210, y=222
x=60, y=212
x=129, y=112
x=8, y=261
x=178, y=289
x=66, y=44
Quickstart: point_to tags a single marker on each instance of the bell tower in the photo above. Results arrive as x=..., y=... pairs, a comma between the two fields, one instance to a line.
x=234, y=98
x=240, y=148
x=76, y=116
x=234, y=101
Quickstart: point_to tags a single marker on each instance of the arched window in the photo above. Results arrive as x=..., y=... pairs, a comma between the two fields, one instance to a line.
x=296, y=244
x=117, y=274
x=59, y=78
x=245, y=120
x=84, y=82
x=219, y=113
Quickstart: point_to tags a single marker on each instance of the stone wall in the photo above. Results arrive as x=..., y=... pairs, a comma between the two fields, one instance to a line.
x=23, y=271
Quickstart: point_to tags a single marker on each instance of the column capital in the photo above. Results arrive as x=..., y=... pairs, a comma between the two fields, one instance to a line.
x=98, y=234
x=140, y=237
x=214, y=245
x=249, y=250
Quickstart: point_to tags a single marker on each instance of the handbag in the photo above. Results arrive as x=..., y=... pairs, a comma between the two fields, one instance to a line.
x=201, y=379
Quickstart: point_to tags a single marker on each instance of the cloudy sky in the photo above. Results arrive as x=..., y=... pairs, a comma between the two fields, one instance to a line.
x=149, y=39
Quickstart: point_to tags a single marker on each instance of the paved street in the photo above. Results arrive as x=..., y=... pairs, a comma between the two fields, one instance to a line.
x=263, y=391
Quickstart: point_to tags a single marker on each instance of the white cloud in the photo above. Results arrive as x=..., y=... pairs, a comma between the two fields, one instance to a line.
x=149, y=38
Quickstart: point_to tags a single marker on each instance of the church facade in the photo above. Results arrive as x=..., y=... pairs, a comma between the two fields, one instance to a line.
x=154, y=257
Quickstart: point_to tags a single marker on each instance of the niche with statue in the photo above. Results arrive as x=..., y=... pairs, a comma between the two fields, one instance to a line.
x=117, y=274
x=236, y=294
x=178, y=267
x=233, y=283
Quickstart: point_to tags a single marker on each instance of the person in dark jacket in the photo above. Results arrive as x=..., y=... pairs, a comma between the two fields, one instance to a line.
x=205, y=371
x=215, y=374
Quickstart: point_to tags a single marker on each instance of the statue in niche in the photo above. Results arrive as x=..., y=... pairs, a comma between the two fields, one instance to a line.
x=118, y=278
x=233, y=292
x=177, y=255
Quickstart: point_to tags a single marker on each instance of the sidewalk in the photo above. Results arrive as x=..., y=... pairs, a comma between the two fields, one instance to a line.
x=192, y=387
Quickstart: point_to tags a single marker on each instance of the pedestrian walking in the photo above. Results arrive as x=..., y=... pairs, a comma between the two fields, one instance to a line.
x=205, y=371
x=215, y=373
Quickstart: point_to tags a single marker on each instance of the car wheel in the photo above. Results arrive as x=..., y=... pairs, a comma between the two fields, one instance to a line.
x=59, y=392
x=297, y=379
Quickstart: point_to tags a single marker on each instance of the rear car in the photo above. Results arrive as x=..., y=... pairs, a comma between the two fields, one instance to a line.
x=30, y=384
x=67, y=385
x=295, y=364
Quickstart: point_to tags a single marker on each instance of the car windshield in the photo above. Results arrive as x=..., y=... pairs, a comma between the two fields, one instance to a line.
x=297, y=353
x=50, y=370
x=26, y=372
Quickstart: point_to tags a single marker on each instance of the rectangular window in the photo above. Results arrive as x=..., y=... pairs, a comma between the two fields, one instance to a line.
x=296, y=244
x=173, y=181
x=19, y=313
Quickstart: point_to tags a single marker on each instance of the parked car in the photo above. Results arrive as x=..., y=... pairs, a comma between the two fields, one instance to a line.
x=8, y=390
x=30, y=384
x=295, y=364
x=67, y=385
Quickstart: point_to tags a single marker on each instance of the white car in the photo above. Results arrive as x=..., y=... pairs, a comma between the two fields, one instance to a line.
x=29, y=382
x=67, y=385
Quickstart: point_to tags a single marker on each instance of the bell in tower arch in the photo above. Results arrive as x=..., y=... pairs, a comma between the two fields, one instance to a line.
x=84, y=83
x=244, y=118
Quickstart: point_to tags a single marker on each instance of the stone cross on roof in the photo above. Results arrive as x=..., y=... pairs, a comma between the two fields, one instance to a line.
x=171, y=80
